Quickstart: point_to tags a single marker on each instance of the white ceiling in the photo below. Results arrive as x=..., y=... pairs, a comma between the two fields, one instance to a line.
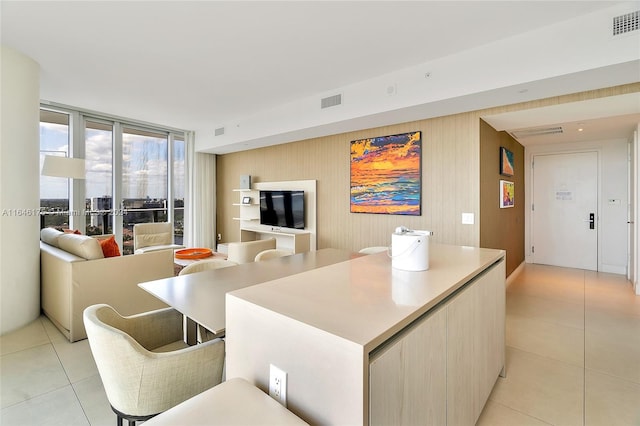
x=190, y=64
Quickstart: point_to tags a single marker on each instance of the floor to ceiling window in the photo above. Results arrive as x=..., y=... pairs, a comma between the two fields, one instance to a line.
x=135, y=173
x=99, y=177
x=179, y=188
x=54, y=191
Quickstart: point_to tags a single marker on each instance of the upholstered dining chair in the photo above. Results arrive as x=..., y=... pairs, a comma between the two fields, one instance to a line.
x=373, y=250
x=153, y=236
x=204, y=265
x=271, y=254
x=145, y=366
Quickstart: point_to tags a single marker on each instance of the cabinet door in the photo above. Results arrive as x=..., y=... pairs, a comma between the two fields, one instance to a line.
x=489, y=343
x=407, y=379
x=475, y=345
x=461, y=357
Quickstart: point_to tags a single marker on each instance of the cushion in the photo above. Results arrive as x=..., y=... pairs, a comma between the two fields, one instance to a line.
x=110, y=247
x=50, y=236
x=159, y=239
x=72, y=231
x=81, y=245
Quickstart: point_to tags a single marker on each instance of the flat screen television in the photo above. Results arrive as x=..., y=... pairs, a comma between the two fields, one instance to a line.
x=282, y=208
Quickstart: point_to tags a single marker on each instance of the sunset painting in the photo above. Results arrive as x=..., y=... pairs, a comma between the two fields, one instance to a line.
x=386, y=174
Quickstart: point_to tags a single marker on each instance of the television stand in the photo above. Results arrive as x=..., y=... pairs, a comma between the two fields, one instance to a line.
x=298, y=241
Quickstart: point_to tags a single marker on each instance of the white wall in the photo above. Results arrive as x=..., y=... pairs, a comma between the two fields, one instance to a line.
x=612, y=224
x=19, y=190
x=482, y=77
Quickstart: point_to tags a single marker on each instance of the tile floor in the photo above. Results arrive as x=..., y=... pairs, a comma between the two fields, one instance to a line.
x=573, y=351
x=573, y=358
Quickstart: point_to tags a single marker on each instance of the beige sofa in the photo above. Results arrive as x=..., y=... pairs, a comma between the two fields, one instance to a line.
x=74, y=275
x=246, y=251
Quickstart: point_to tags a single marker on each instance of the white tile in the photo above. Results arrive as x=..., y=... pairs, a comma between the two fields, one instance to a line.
x=614, y=350
x=543, y=388
x=56, y=408
x=76, y=358
x=26, y=337
x=495, y=414
x=546, y=339
x=94, y=401
x=54, y=334
x=612, y=293
x=611, y=401
x=563, y=313
x=29, y=373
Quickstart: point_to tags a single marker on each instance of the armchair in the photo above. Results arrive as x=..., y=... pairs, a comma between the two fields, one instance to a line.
x=152, y=237
x=144, y=365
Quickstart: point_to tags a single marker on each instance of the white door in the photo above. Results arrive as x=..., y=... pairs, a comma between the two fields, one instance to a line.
x=565, y=210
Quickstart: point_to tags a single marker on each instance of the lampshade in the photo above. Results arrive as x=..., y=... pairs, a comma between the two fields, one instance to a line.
x=63, y=167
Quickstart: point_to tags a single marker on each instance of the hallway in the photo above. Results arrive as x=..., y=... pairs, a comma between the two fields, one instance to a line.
x=573, y=351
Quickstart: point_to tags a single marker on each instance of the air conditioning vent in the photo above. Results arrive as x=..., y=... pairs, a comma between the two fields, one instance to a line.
x=625, y=23
x=331, y=101
x=219, y=131
x=518, y=134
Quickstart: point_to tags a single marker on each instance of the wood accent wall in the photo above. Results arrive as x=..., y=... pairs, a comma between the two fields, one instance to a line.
x=451, y=161
x=501, y=228
x=449, y=187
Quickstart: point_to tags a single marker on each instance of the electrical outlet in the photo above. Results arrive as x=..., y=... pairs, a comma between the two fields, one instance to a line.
x=219, y=237
x=278, y=384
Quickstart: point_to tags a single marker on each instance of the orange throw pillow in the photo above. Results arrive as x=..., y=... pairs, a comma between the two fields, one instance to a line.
x=110, y=247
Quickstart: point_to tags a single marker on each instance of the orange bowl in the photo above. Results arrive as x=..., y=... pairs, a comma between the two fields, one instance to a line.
x=193, y=253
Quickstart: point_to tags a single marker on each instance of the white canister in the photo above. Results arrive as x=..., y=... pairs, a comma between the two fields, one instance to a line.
x=410, y=250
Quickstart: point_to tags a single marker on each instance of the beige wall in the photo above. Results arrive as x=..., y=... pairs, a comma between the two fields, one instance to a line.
x=449, y=187
x=501, y=228
x=451, y=178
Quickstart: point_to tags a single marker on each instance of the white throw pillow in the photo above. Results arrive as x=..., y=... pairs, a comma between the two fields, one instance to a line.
x=81, y=245
x=50, y=236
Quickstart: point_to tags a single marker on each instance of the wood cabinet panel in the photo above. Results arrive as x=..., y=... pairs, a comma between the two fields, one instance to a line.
x=461, y=358
x=408, y=377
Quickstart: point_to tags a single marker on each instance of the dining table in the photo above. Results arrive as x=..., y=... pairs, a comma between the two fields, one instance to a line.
x=201, y=296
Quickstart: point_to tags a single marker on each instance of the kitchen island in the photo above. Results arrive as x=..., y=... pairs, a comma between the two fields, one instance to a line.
x=364, y=343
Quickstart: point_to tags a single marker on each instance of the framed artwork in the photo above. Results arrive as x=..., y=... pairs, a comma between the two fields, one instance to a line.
x=386, y=174
x=246, y=200
x=507, y=191
x=506, y=162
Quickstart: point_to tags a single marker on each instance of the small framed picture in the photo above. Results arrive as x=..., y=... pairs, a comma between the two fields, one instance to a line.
x=506, y=162
x=507, y=191
x=246, y=200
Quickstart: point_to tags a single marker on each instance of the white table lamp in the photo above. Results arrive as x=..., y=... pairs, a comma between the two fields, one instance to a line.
x=66, y=167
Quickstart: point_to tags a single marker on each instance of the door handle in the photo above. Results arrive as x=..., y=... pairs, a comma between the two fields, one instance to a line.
x=592, y=221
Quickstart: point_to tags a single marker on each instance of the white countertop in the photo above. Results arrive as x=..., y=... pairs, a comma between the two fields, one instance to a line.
x=365, y=300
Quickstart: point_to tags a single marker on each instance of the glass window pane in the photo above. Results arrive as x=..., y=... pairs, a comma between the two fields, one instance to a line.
x=179, y=188
x=144, y=180
x=99, y=177
x=54, y=191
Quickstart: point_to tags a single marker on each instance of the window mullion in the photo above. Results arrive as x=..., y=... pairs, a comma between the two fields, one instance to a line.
x=77, y=204
x=118, y=203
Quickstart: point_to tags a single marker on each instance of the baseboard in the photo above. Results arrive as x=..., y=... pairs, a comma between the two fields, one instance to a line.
x=512, y=276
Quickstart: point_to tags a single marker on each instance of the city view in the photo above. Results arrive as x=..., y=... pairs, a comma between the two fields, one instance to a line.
x=99, y=216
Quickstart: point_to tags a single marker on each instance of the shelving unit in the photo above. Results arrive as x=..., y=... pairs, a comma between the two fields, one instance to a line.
x=248, y=212
x=288, y=239
x=295, y=240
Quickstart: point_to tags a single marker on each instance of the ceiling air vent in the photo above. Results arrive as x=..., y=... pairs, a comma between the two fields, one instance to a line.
x=541, y=131
x=625, y=23
x=219, y=131
x=331, y=101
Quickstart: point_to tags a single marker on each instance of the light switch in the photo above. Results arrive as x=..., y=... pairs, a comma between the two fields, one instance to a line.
x=467, y=219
